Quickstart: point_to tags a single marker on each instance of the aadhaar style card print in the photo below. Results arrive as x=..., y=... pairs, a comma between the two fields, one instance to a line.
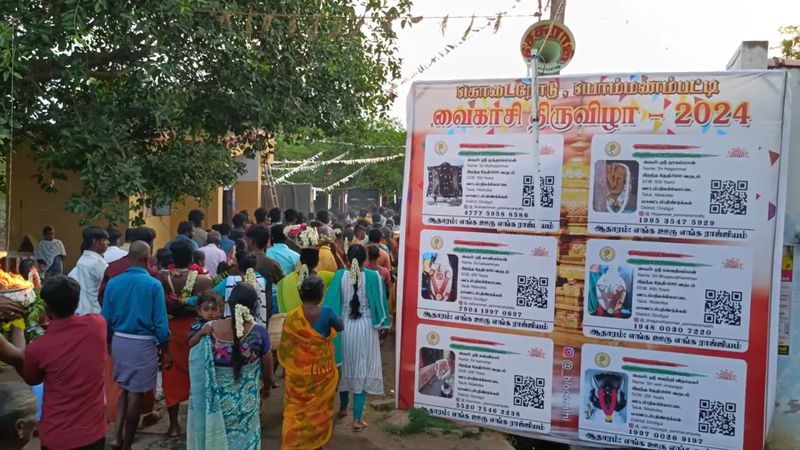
x=606, y=396
x=688, y=295
x=616, y=185
x=651, y=399
x=682, y=187
x=437, y=372
x=489, y=181
x=490, y=379
x=610, y=291
x=505, y=281
x=439, y=277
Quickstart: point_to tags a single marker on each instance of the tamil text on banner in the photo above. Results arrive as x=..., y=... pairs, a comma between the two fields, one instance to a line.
x=623, y=300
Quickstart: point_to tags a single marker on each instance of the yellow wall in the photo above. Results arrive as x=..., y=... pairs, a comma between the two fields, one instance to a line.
x=166, y=227
x=30, y=209
x=248, y=196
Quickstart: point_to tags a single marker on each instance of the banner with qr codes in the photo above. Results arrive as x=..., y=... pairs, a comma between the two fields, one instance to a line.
x=648, y=232
x=686, y=295
x=644, y=399
x=500, y=281
x=493, y=379
x=487, y=181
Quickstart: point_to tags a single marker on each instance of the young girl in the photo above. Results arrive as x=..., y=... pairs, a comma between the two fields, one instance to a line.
x=306, y=352
x=199, y=263
x=209, y=308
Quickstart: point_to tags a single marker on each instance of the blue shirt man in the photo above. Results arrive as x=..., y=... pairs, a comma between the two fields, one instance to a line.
x=134, y=304
x=185, y=232
x=287, y=258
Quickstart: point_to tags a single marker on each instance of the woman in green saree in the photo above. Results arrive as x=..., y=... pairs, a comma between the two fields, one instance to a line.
x=228, y=369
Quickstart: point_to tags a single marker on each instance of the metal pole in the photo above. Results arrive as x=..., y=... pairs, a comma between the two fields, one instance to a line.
x=533, y=73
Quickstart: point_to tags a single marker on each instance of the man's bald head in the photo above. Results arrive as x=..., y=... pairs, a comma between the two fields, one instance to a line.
x=139, y=253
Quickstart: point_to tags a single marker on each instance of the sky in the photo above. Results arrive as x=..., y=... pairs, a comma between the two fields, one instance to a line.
x=611, y=36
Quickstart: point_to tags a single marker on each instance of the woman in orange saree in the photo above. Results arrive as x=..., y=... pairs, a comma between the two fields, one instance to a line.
x=306, y=353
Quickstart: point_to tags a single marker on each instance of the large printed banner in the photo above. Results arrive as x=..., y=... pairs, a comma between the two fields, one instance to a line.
x=625, y=299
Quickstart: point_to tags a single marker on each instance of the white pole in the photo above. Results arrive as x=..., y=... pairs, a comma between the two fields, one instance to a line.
x=533, y=73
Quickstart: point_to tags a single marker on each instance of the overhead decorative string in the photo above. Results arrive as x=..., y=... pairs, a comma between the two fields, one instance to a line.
x=308, y=167
x=351, y=144
x=340, y=182
x=346, y=162
x=471, y=31
x=297, y=169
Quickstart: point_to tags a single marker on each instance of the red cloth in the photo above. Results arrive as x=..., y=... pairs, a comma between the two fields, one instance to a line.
x=112, y=396
x=387, y=277
x=70, y=359
x=176, y=379
x=119, y=267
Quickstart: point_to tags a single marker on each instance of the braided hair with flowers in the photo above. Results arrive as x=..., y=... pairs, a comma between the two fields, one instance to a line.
x=357, y=255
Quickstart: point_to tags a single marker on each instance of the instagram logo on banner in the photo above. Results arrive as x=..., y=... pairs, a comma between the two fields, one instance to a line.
x=569, y=352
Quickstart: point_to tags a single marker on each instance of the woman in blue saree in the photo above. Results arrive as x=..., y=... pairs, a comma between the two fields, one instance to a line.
x=228, y=369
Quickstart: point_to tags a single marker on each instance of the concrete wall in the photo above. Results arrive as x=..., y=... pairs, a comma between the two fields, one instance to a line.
x=248, y=186
x=30, y=209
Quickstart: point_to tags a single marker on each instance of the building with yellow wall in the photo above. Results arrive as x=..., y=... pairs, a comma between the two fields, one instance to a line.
x=30, y=209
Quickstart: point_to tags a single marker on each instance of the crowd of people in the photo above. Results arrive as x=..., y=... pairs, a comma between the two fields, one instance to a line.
x=208, y=319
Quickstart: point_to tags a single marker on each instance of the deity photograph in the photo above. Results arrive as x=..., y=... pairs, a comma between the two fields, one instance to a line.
x=444, y=185
x=436, y=372
x=610, y=291
x=439, y=277
x=604, y=395
x=616, y=186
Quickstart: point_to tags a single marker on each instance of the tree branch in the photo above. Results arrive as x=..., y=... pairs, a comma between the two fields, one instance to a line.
x=44, y=70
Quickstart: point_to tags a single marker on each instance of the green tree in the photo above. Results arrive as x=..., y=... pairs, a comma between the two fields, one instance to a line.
x=139, y=97
x=790, y=47
x=382, y=137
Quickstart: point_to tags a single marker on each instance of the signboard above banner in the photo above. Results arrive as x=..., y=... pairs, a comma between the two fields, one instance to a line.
x=624, y=300
x=552, y=41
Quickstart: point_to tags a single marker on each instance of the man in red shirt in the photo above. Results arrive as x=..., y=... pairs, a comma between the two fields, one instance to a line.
x=70, y=359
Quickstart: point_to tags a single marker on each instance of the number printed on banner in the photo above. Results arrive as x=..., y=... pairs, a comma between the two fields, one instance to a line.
x=717, y=417
x=529, y=392
x=728, y=197
x=532, y=291
x=723, y=307
x=547, y=187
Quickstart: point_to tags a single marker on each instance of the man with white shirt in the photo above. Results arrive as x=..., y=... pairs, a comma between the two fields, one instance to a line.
x=90, y=269
x=114, y=252
x=214, y=255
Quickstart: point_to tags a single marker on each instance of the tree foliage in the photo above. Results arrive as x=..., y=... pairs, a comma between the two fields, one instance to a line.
x=790, y=47
x=138, y=97
x=386, y=135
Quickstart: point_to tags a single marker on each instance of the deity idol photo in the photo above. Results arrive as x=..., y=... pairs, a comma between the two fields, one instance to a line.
x=616, y=186
x=439, y=277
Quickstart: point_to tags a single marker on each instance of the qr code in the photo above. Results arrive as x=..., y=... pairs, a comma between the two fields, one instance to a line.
x=529, y=392
x=728, y=197
x=723, y=307
x=717, y=417
x=532, y=291
x=547, y=187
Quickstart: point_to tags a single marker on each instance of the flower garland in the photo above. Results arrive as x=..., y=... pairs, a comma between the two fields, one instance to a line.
x=250, y=278
x=243, y=315
x=186, y=292
x=291, y=231
x=302, y=276
x=308, y=238
x=355, y=272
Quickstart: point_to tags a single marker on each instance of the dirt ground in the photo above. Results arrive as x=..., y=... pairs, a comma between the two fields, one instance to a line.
x=373, y=438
